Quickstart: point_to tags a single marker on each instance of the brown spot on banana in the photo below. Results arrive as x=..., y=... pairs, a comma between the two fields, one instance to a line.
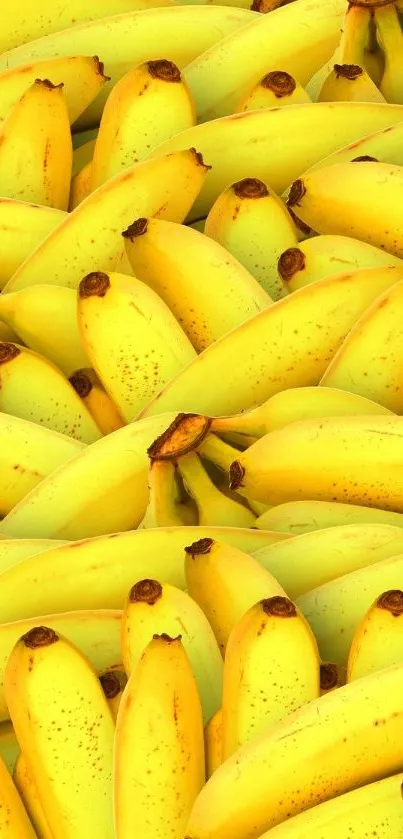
x=250, y=188
x=279, y=82
x=39, y=636
x=95, y=284
x=146, y=591
x=200, y=548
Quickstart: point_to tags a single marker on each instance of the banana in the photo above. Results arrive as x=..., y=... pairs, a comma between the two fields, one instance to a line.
x=349, y=83
x=275, y=350
x=14, y=821
x=36, y=153
x=23, y=227
x=89, y=237
x=369, y=360
x=378, y=640
x=28, y=453
x=154, y=608
x=225, y=582
x=32, y=388
x=25, y=784
x=148, y=105
x=275, y=90
x=13, y=551
x=101, y=407
x=113, y=684
x=214, y=507
x=384, y=145
x=334, y=200
x=390, y=38
x=373, y=810
x=213, y=743
x=206, y=288
x=331, y=745
x=332, y=677
x=295, y=404
x=82, y=78
x=9, y=748
x=253, y=224
x=98, y=573
x=271, y=669
x=297, y=517
x=336, y=609
x=158, y=738
x=83, y=153
x=58, y=708
x=326, y=256
x=298, y=564
x=164, y=506
x=132, y=339
x=45, y=318
x=80, y=187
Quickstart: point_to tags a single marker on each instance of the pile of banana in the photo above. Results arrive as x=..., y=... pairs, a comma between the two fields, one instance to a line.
x=201, y=419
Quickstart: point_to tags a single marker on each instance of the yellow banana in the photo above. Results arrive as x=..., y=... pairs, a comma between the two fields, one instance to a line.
x=58, y=708
x=390, y=38
x=164, y=505
x=23, y=227
x=131, y=337
x=113, y=684
x=253, y=224
x=83, y=153
x=271, y=669
x=33, y=388
x=213, y=743
x=9, y=748
x=45, y=318
x=28, y=453
x=326, y=256
x=275, y=350
x=298, y=564
x=384, y=145
x=14, y=821
x=100, y=405
x=98, y=573
x=26, y=787
x=334, y=200
x=297, y=517
x=378, y=640
x=159, y=740
x=331, y=745
x=148, y=105
x=332, y=677
x=275, y=90
x=206, y=288
x=225, y=582
x=154, y=608
x=89, y=238
x=13, y=551
x=349, y=83
x=36, y=153
x=214, y=507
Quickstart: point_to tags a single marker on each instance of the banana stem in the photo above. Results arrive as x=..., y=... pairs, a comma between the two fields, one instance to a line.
x=219, y=452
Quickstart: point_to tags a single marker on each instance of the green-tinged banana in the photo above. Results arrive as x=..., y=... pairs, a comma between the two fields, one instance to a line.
x=98, y=573
x=23, y=227
x=164, y=507
x=253, y=224
x=28, y=454
x=9, y=747
x=36, y=153
x=82, y=78
x=34, y=389
x=113, y=684
x=378, y=640
x=45, y=318
x=297, y=517
x=332, y=677
x=14, y=821
x=213, y=743
x=390, y=38
x=275, y=350
x=336, y=609
x=89, y=239
x=295, y=404
x=25, y=783
x=329, y=746
x=271, y=669
x=153, y=608
x=349, y=83
x=58, y=707
x=80, y=187
x=326, y=256
x=13, y=551
x=335, y=200
x=83, y=153
x=384, y=145
x=275, y=90
x=225, y=582
x=299, y=566
x=150, y=104
x=99, y=403
x=159, y=740
x=214, y=507
x=348, y=459
x=208, y=290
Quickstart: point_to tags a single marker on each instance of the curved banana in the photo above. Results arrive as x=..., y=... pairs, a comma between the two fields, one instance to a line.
x=253, y=224
x=297, y=517
x=150, y=104
x=206, y=288
x=14, y=821
x=390, y=37
x=13, y=551
x=378, y=640
x=214, y=507
x=113, y=683
x=80, y=187
x=225, y=582
x=271, y=669
x=25, y=784
x=23, y=227
x=84, y=152
x=153, y=608
x=213, y=743
x=164, y=505
x=101, y=407
x=9, y=748
x=36, y=153
x=384, y=145
x=132, y=339
x=332, y=677
x=45, y=671
x=275, y=90
x=161, y=736
x=349, y=83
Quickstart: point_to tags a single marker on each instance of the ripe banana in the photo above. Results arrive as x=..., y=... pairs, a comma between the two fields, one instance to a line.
x=46, y=671
x=384, y=145
x=213, y=743
x=9, y=748
x=298, y=564
x=253, y=224
x=275, y=350
x=275, y=90
x=390, y=38
x=349, y=83
x=84, y=152
x=89, y=239
x=153, y=608
x=332, y=745
x=113, y=684
x=23, y=227
x=165, y=507
x=225, y=582
x=332, y=677
x=25, y=784
x=271, y=669
x=101, y=407
x=36, y=153
x=378, y=640
x=213, y=506
x=159, y=738
x=297, y=517
x=150, y=104
x=14, y=821
x=80, y=187
x=13, y=551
